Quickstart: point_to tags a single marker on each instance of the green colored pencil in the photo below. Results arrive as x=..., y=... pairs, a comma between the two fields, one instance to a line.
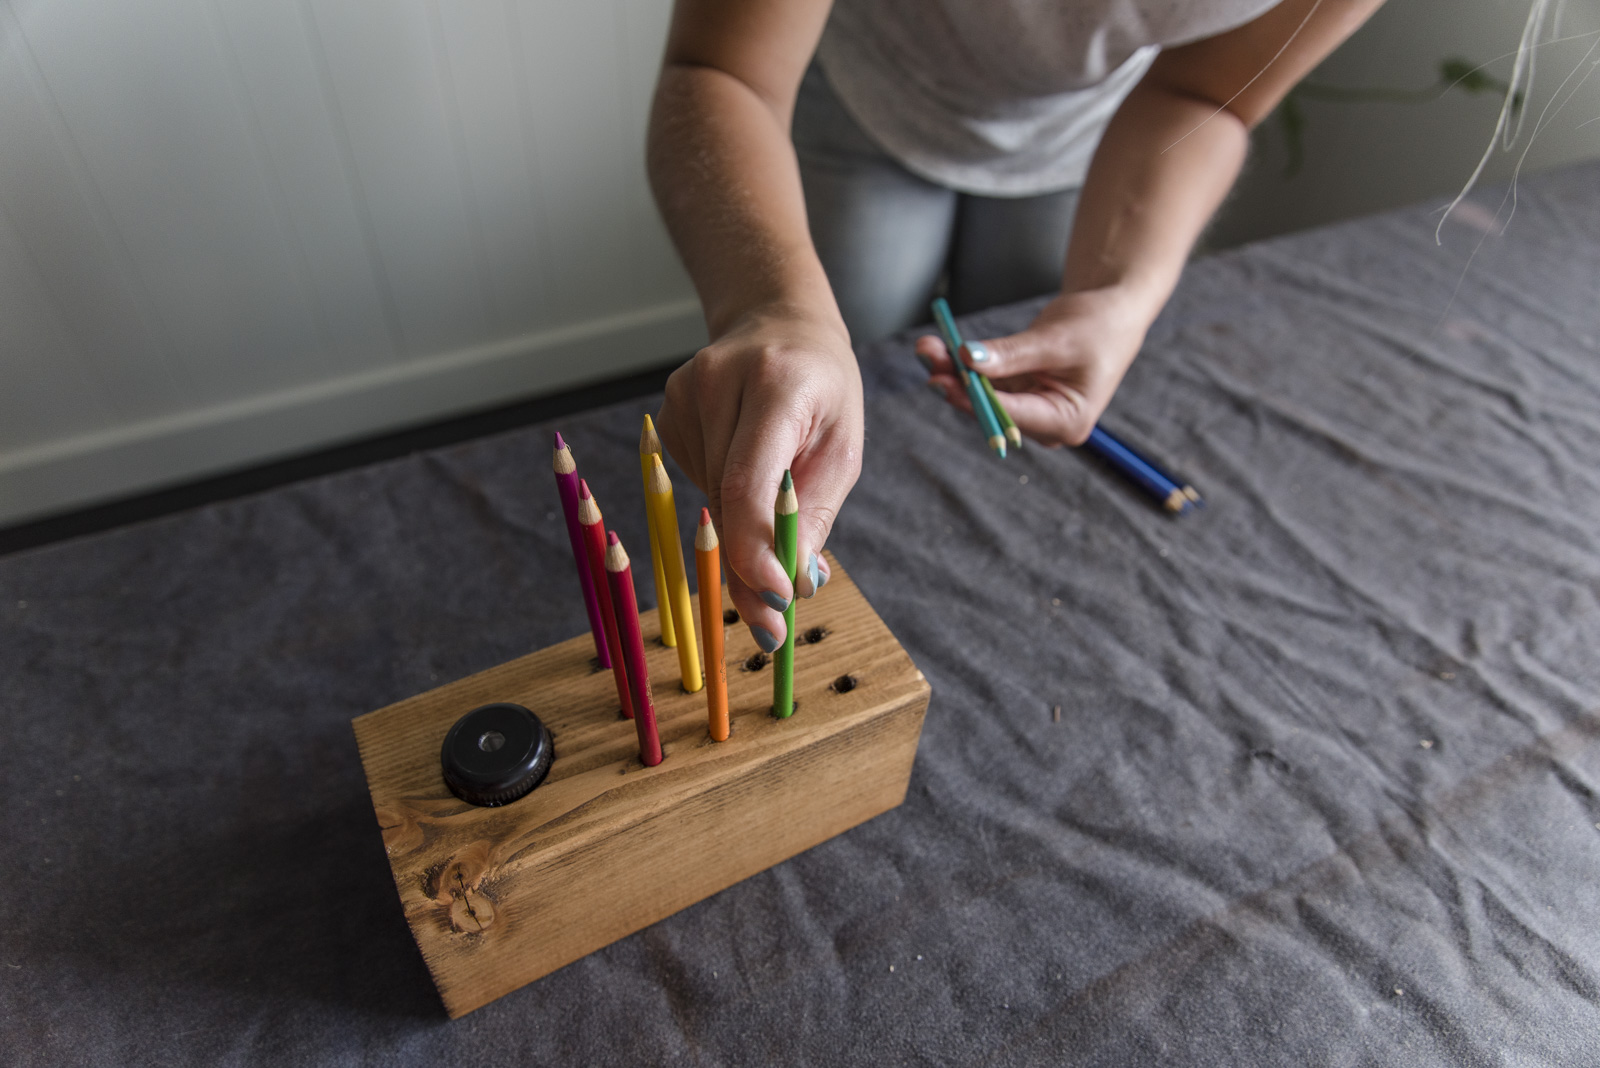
x=786, y=542
x=1013, y=433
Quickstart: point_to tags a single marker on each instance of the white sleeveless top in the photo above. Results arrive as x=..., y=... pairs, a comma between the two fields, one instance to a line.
x=1003, y=97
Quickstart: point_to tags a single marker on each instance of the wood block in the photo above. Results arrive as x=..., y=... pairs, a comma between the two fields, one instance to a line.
x=497, y=897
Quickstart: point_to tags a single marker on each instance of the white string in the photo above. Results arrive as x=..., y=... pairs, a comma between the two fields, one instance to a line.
x=1519, y=71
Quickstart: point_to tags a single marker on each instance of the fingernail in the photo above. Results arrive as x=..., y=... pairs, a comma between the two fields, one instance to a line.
x=816, y=581
x=774, y=602
x=764, y=638
x=823, y=581
x=978, y=353
x=936, y=387
x=927, y=362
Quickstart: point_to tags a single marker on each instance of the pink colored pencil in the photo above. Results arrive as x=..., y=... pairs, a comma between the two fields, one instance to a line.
x=620, y=574
x=594, y=544
x=566, y=470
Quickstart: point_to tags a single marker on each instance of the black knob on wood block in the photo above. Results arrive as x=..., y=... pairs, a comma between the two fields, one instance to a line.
x=496, y=754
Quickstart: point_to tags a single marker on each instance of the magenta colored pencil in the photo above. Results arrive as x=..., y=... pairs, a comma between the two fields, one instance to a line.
x=566, y=470
x=619, y=572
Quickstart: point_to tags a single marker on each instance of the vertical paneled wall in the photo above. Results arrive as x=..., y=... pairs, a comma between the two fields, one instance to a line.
x=235, y=229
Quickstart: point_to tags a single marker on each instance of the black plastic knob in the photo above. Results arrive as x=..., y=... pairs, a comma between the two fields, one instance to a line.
x=496, y=754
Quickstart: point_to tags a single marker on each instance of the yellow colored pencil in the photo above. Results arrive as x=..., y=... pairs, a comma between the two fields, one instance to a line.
x=649, y=447
x=658, y=494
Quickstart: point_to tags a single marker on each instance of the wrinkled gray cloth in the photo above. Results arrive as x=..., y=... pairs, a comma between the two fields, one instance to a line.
x=1322, y=790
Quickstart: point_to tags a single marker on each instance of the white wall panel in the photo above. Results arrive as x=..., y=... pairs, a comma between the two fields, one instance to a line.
x=236, y=229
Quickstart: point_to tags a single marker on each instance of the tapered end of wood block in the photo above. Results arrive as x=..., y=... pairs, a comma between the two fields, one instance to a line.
x=498, y=897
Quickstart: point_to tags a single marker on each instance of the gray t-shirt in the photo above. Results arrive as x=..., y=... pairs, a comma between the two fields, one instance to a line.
x=1003, y=97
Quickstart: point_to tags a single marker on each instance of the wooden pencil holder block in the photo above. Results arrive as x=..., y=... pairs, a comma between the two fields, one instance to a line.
x=498, y=897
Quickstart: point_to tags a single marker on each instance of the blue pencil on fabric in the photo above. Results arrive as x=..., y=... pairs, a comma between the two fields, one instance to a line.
x=1168, y=492
x=981, y=408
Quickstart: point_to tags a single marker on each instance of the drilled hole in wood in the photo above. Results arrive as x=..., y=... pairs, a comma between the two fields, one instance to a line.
x=843, y=684
x=814, y=635
x=757, y=661
x=730, y=617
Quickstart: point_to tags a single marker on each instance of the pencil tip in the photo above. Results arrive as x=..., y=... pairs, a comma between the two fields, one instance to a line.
x=705, y=517
x=559, y=443
x=611, y=538
x=788, y=481
x=583, y=488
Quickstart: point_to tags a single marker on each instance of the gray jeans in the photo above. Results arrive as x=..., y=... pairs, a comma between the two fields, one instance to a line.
x=889, y=240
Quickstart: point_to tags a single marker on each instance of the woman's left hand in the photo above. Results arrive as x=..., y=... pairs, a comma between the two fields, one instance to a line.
x=1058, y=375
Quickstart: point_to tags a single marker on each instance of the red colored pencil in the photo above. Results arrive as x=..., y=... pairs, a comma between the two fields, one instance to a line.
x=594, y=544
x=566, y=470
x=620, y=574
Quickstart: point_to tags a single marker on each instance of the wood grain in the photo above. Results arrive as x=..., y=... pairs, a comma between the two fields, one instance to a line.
x=497, y=897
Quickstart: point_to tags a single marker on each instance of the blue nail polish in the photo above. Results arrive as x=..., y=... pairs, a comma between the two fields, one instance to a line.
x=764, y=638
x=774, y=602
x=978, y=353
x=823, y=581
x=927, y=362
x=816, y=581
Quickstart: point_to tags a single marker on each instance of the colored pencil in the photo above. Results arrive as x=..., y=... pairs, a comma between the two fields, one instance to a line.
x=1166, y=490
x=663, y=510
x=650, y=445
x=620, y=575
x=786, y=543
x=981, y=408
x=1012, y=430
x=594, y=544
x=708, y=565
x=566, y=470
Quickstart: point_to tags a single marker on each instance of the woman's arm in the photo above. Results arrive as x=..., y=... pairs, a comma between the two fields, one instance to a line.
x=1167, y=160
x=778, y=385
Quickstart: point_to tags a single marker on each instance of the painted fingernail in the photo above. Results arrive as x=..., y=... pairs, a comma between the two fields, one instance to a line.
x=811, y=571
x=978, y=353
x=774, y=602
x=927, y=362
x=936, y=387
x=764, y=638
x=823, y=581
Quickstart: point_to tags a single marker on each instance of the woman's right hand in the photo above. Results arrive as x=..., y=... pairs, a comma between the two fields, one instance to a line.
x=779, y=389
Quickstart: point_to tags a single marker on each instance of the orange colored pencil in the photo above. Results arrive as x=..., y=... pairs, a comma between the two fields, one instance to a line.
x=708, y=565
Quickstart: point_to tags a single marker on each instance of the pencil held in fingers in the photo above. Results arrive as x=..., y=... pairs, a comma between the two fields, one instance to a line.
x=663, y=510
x=594, y=544
x=566, y=471
x=708, y=566
x=649, y=448
x=1008, y=425
x=619, y=573
x=971, y=381
x=786, y=544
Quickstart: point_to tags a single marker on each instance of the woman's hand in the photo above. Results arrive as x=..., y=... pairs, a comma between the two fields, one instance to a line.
x=1057, y=376
x=780, y=389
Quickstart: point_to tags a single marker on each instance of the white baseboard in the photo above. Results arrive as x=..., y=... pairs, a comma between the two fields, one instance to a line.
x=92, y=468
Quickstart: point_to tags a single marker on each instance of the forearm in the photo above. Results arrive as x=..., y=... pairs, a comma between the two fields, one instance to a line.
x=1164, y=166
x=725, y=178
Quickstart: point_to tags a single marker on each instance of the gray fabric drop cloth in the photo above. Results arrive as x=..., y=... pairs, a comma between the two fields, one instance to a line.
x=1322, y=790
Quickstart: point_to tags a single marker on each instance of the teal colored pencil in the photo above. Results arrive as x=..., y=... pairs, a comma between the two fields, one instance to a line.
x=987, y=420
x=786, y=542
x=1009, y=425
